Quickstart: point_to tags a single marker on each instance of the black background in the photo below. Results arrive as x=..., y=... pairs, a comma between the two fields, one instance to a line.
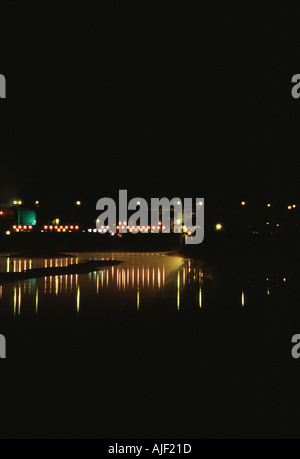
x=160, y=98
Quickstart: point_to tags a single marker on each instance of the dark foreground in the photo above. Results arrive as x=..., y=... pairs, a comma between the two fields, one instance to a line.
x=218, y=375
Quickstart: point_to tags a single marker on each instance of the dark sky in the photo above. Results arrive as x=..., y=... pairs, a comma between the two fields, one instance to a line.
x=159, y=97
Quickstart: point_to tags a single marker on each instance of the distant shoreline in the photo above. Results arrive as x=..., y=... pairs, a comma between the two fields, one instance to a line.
x=81, y=268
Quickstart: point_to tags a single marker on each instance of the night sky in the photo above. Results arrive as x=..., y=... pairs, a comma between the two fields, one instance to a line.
x=154, y=97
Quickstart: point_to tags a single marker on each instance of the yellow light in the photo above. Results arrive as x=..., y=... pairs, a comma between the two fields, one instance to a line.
x=15, y=203
x=269, y=205
x=78, y=299
x=37, y=203
x=200, y=297
x=20, y=203
x=8, y=233
x=290, y=208
x=219, y=227
x=294, y=206
x=243, y=203
x=78, y=203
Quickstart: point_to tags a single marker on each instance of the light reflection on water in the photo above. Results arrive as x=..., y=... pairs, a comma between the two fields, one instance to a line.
x=141, y=281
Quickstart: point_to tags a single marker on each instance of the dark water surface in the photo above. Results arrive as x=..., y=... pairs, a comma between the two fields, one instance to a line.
x=159, y=346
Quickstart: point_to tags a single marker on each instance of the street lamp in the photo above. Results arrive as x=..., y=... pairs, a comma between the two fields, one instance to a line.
x=18, y=204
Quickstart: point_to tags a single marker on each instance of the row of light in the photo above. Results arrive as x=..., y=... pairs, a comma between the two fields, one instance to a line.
x=61, y=228
x=138, y=228
x=79, y=203
x=20, y=227
x=37, y=203
x=294, y=206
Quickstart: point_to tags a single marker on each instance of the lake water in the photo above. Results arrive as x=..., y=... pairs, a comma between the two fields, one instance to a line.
x=141, y=282
x=159, y=346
